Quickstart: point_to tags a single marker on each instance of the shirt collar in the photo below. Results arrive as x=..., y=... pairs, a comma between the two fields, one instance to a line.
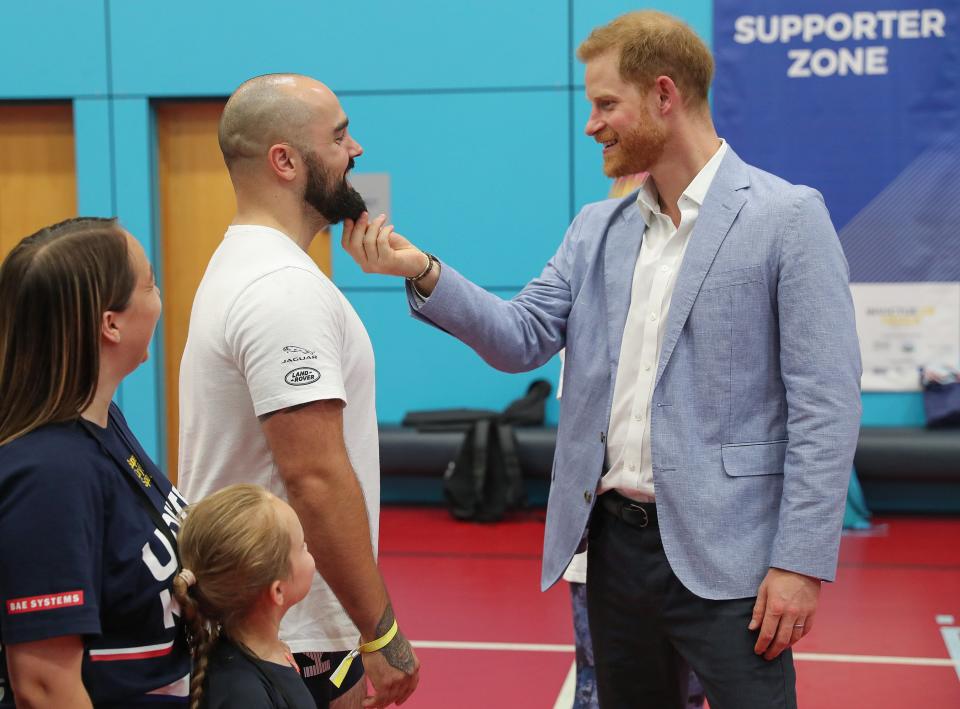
x=648, y=199
x=697, y=189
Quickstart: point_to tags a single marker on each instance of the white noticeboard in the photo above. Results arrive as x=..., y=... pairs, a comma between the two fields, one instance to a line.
x=905, y=326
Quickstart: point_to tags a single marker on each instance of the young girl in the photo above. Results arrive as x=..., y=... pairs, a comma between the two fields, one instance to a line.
x=245, y=563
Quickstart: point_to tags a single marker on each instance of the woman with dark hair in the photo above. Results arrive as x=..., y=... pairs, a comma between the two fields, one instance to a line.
x=87, y=522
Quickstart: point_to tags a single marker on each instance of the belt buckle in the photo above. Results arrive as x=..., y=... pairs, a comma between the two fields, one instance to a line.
x=637, y=508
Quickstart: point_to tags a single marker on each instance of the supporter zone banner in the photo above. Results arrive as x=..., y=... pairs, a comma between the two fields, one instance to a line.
x=860, y=100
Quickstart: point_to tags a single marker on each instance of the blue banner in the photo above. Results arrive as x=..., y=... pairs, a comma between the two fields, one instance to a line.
x=860, y=100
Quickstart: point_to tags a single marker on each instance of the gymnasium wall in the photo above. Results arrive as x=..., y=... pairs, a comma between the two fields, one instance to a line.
x=475, y=109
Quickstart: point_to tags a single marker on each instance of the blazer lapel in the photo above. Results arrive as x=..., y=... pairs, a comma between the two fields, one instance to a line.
x=621, y=247
x=720, y=208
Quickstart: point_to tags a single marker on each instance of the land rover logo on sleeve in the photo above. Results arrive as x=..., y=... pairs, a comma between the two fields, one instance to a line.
x=301, y=375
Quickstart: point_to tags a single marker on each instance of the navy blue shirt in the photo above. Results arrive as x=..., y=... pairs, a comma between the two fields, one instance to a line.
x=238, y=680
x=80, y=554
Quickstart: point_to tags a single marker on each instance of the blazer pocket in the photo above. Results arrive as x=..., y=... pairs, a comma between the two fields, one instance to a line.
x=743, y=459
x=736, y=277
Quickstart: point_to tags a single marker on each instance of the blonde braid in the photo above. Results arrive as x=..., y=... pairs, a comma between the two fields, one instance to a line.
x=202, y=634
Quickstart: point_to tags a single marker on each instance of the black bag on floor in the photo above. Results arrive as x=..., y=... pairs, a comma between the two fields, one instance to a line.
x=484, y=481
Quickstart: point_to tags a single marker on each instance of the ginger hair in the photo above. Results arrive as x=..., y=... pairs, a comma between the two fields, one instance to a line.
x=652, y=44
x=235, y=545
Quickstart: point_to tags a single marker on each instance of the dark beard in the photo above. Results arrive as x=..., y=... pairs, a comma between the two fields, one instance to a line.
x=336, y=204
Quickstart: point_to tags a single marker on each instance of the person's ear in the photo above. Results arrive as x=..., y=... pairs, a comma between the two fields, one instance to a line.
x=667, y=94
x=109, y=327
x=284, y=161
x=276, y=593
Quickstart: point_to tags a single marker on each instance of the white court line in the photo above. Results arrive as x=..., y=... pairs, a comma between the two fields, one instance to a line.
x=568, y=690
x=877, y=659
x=951, y=636
x=519, y=647
x=803, y=656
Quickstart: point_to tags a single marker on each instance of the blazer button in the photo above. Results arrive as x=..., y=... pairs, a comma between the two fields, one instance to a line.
x=587, y=496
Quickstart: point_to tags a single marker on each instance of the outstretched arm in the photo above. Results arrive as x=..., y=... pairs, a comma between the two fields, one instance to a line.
x=513, y=335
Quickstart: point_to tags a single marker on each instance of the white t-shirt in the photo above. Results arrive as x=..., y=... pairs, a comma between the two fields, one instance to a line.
x=269, y=331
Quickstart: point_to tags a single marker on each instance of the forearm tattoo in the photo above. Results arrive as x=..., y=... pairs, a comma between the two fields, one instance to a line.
x=398, y=651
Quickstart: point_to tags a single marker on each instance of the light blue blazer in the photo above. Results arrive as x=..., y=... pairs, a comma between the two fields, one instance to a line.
x=756, y=406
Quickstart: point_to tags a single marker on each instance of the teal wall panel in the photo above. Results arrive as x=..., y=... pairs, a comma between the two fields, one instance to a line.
x=380, y=45
x=53, y=49
x=94, y=156
x=133, y=148
x=480, y=179
x=476, y=109
x=893, y=409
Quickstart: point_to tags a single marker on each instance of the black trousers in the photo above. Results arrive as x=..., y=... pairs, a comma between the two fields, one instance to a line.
x=648, y=631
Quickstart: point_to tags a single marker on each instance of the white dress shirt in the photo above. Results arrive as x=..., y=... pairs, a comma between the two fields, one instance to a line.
x=629, y=465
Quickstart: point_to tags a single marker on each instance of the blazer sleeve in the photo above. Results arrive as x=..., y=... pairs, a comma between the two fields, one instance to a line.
x=820, y=366
x=514, y=335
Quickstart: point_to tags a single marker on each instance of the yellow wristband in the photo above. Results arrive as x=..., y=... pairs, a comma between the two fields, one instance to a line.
x=372, y=646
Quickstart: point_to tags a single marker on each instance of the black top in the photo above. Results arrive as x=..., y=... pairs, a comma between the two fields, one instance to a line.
x=236, y=679
x=81, y=554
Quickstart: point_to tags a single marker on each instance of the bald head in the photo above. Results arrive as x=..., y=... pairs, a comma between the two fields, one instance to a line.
x=271, y=109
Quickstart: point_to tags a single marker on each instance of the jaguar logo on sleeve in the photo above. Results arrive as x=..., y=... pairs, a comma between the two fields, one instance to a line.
x=292, y=353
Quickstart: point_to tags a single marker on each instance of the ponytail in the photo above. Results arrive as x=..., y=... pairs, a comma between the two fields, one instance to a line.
x=202, y=633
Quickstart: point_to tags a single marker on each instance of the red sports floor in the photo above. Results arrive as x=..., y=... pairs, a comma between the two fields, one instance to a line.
x=468, y=596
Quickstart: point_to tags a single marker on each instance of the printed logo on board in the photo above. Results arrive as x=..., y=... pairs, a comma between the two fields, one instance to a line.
x=49, y=602
x=297, y=354
x=301, y=375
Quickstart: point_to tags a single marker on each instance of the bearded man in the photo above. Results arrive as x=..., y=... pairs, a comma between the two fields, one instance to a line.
x=711, y=398
x=277, y=380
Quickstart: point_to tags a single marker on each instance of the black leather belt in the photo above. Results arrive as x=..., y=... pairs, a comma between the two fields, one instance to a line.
x=636, y=514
